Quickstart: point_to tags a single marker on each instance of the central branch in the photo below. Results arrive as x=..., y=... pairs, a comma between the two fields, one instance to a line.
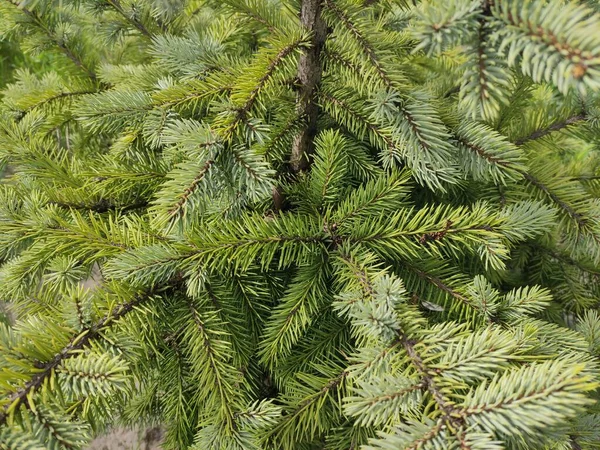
x=309, y=76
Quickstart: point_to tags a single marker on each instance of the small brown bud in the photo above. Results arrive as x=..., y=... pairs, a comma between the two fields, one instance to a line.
x=579, y=71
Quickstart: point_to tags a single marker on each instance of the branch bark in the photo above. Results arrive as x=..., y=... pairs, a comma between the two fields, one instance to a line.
x=309, y=76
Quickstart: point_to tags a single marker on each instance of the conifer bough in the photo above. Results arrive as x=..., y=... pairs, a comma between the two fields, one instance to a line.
x=301, y=224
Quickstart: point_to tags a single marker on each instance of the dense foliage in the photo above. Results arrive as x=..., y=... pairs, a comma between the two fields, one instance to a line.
x=301, y=224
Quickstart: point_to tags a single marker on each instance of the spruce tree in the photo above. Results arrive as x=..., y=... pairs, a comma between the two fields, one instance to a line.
x=302, y=224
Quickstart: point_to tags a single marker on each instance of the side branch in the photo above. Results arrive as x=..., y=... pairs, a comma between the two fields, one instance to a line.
x=385, y=140
x=366, y=46
x=50, y=34
x=76, y=343
x=481, y=152
x=244, y=109
x=102, y=206
x=136, y=23
x=554, y=127
x=450, y=413
x=192, y=188
x=58, y=96
x=581, y=221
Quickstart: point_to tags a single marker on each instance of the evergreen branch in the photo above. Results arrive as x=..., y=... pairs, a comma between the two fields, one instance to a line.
x=55, y=97
x=342, y=61
x=363, y=277
x=149, y=265
x=384, y=194
x=439, y=283
x=585, y=178
x=93, y=374
x=254, y=240
x=361, y=118
x=329, y=168
x=302, y=302
x=51, y=430
x=102, y=206
x=486, y=83
x=58, y=43
x=383, y=303
x=242, y=7
x=421, y=130
x=474, y=351
x=432, y=434
x=479, y=150
x=364, y=43
x=411, y=435
x=554, y=127
x=509, y=397
x=279, y=138
x=267, y=240
x=452, y=414
x=414, y=126
x=330, y=386
x=565, y=34
x=436, y=234
x=82, y=235
x=224, y=394
x=488, y=153
x=72, y=349
x=388, y=397
x=481, y=66
x=200, y=92
x=425, y=144
x=574, y=444
x=111, y=111
x=594, y=272
x=582, y=222
x=262, y=21
x=241, y=111
x=256, y=173
x=440, y=27
x=189, y=190
x=116, y=5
